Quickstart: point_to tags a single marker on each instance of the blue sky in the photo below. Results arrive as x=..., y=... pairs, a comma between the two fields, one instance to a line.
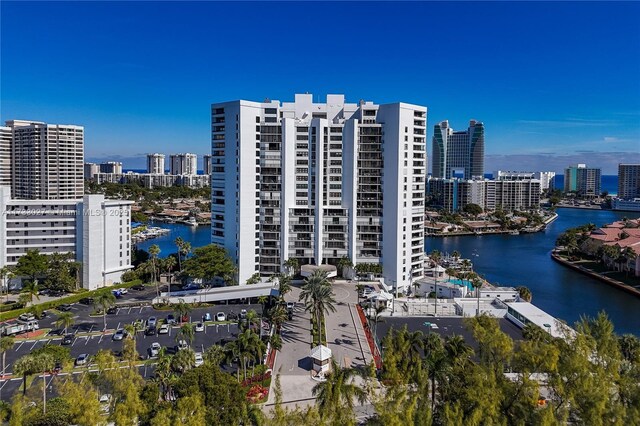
x=554, y=83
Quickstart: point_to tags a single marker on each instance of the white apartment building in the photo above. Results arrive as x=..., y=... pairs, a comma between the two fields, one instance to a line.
x=155, y=164
x=47, y=160
x=184, y=164
x=546, y=179
x=149, y=180
x=5, y=156
x=317, y=182
x=95, y=230
x=90, y=169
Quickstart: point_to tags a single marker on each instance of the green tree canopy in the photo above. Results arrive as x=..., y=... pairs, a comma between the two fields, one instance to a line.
x=209, y=262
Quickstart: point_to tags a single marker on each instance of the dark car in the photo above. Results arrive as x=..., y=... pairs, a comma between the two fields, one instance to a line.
x=171, y=319
x=56, y=293
x=137, y=287
x=64, y=307
x=68, y=339
x=150, y=331
x=290, y=315
x=112, y=310
x=87, y=300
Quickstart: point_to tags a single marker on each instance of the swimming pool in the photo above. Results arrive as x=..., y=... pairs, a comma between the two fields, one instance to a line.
x=458, y=281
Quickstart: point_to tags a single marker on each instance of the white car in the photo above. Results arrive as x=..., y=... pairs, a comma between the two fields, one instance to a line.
x=291, y=305
x=123, y=290
x=182, y=344
x=199, y=327
x=164, y=329
x=82, y=359
x=154, y=349
x=220, y=316
x=199, y=359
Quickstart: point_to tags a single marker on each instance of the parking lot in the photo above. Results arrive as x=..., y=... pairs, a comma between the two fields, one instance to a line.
x=89, y=337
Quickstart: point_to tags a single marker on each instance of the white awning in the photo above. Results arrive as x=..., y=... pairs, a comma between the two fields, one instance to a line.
x=321, y=353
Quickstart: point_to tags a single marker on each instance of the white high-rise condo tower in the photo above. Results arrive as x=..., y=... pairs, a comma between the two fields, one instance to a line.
x=47, y=160
x=184, y=164
x=155, y=164
x=318, y=182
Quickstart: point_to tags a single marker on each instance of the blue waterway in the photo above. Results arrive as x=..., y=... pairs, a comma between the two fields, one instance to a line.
x=524, y=260
x=198, y=236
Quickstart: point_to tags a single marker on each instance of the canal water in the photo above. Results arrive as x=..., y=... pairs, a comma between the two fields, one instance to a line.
x=512, y=260
x=508, y=260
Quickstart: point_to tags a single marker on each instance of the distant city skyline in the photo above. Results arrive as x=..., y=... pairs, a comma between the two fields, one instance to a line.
x=140, y=77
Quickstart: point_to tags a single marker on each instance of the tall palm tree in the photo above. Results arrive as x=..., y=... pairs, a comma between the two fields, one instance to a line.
x=456, y=348
x=292, y=264
x=251, y=319
x=317, y=296
x=250, y=348
x=104, y=300
x=169, y=264
x=214, y=354
x=179, y=244
x=186, y=332
x=154, y=251
x=182, y=309
x=6, y=343
x=262, y=300
x=477, y=283
x=278, y=315
x=131, y=331
x=164, y=374
x=65, y=319
x=338, y=392
x=377, y=318
x=5, y=272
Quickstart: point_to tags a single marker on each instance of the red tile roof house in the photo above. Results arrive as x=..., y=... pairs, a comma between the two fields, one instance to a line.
x=616, y=236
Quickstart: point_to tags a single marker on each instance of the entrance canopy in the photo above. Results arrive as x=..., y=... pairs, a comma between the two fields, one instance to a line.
x=307, y=270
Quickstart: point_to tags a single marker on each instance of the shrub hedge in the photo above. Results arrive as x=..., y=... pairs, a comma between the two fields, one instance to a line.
x=69, y=299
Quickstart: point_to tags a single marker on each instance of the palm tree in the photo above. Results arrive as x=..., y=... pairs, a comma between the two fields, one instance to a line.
x=186, y=332
x=456, y=348
x=169, y=264
x=377, y=318
x=30, y=364
x=292, y=264
x=251, y=319
x=338, y=392
x=262, y=300
x=154, y=251
x=455, y=255
x=164, y=374
x=65, y=319
x=437, y=364
x=5, y=272
x=250, y=348
x=104, y=300
x=317, y=296
x=435, y=257
x=184, y=360
x=180, y=245
x=628, y=254
x=284, y=285
x=278, y=315
x=6, y=343
x=131, y=331
x=477, y=283
x=344, y=262
x=182, y=309
x=214, y=354
x=31, y=290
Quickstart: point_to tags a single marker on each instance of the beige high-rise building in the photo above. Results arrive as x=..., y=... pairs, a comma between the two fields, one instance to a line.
x=47, y=160
x=155, y=164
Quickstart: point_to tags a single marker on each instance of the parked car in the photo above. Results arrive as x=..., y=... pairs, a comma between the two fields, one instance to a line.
x=82, y=359
x=199, y=359
x=243, y=314
x=137, y=287
x=290, y=315
x=26, y=317
x=152, y=321
x=112, y=310
x=154, y=349
x=118, y=335
x=206, y=317
x=232, y=316
x=291, y=305
x=56, y=293
x=220, y=316
x=199, y=327
x=150, y=331
x=164, y=329
x=87, y=300
x=123, y=290
x=116, y=293
x=171, y=319
x=182, y=344
x=68, y=339
x=65, y=307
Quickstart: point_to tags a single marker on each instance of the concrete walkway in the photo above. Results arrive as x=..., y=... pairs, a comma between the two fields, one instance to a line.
x=345, y=335
x=293, y=362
